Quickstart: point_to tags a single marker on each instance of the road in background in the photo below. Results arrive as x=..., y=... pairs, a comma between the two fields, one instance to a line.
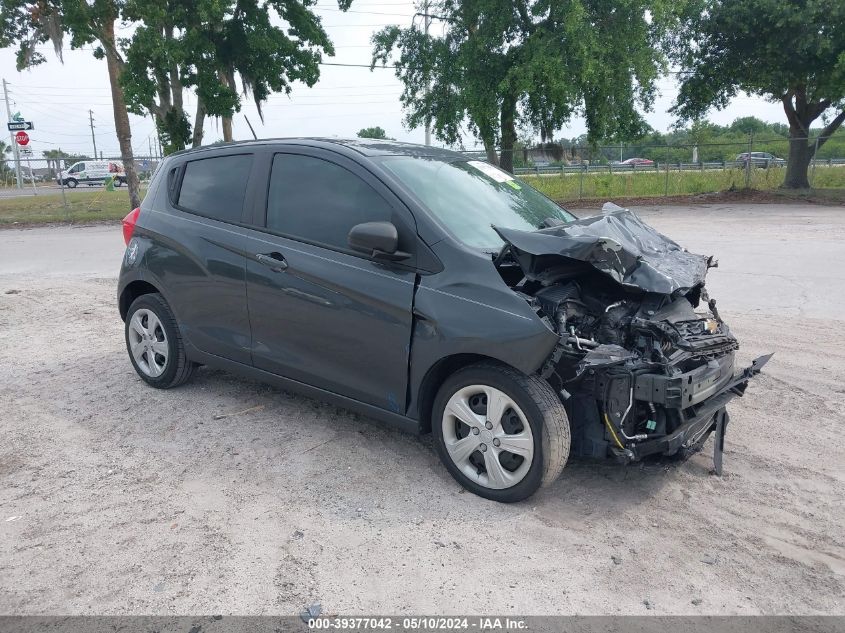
x=796, y=246
x=61, y=251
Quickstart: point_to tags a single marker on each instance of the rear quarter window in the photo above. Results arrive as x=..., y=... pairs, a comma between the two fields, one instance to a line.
x=216, y=187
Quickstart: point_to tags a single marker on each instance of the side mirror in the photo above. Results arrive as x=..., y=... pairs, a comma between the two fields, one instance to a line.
x=379, y=240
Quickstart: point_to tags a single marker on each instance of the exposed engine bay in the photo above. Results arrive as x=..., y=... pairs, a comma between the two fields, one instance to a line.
x=645, y=364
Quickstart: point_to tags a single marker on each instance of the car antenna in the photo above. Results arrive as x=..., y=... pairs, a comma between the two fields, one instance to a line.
x=250, y=128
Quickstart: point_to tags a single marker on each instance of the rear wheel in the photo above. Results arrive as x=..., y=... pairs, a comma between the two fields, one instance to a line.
x=154, y=343
x=500, y=433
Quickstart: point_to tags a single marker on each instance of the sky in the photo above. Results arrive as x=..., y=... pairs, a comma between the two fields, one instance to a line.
x=57, y=97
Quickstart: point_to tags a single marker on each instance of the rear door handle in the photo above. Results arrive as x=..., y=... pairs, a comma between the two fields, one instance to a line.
x=274, y=261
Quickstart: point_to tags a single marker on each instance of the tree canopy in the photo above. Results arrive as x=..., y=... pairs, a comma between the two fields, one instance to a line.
x=373, y=132
x=505, y=64
x=212, y=46
x=25, y=24
x=791, y=51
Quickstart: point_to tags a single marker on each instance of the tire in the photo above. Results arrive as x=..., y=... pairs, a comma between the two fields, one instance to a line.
x=152, y=332
x=118, y=182
x=72, y=182
x=532, y=421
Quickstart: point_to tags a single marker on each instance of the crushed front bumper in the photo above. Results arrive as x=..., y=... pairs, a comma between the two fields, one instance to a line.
x=701, y=395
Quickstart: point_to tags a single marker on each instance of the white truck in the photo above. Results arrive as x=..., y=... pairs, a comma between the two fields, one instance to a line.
x=92, y=172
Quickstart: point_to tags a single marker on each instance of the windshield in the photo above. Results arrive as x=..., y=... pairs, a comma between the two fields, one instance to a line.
x=470, y=197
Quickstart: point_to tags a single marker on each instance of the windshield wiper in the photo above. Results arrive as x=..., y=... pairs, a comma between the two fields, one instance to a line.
x=550, y=222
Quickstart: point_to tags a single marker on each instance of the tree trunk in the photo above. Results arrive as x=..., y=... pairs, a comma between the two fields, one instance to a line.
x=121, y=116
x=227, y=120
x=199, y=122
x=800, y=153
x=508, y=133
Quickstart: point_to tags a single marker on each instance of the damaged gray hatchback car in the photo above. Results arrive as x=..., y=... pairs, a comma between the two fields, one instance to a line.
x=433, y=292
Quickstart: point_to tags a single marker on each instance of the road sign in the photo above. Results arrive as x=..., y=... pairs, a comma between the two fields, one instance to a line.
x=20, y=125
x=26, y=151
x=22, y=138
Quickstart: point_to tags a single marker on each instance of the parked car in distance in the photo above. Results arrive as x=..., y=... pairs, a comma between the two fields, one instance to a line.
x=433, y=292
x=638, y=161
x=92, y=172
x=31, y=176
x=760, y=159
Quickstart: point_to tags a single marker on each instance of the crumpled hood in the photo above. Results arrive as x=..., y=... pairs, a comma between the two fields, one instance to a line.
x=617, y=243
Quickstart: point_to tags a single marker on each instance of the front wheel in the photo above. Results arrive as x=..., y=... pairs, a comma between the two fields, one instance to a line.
x=500, y=433
x=72, y=182
x=155, y=344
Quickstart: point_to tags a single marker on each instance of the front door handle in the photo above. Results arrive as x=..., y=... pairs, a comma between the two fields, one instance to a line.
x=274, y=261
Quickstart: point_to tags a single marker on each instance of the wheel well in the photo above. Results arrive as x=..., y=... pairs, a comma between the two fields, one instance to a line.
x=435, y=377
x=132, y=292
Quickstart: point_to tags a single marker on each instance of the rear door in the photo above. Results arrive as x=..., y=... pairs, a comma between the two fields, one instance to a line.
x=321, y=313
x=198, y=254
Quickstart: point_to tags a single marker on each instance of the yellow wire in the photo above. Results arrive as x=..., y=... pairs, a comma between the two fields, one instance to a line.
x=612, y=432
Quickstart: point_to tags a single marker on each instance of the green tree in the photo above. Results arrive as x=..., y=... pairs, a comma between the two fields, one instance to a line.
x=792, y=51
x=5, y=149
x=504, y=64
x=213, y=46
x=26, y=24
x=155, y=68
x=373, y=132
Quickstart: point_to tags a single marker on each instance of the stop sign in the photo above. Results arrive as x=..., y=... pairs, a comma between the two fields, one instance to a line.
x=22, y=138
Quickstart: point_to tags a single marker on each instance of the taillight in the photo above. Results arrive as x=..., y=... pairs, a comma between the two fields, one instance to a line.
x=129, y=224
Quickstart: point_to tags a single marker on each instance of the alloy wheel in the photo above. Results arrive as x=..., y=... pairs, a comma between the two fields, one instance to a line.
x=148, y=342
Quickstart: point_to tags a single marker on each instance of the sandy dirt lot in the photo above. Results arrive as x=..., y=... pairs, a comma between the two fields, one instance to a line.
x=227, y=496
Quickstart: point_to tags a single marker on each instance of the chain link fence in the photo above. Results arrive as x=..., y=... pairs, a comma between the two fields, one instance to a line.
x=83, y=170
x=653, y=170
x=563, y=172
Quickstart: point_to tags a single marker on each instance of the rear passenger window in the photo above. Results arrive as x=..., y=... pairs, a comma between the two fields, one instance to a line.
x=172, y=183
x=216, y=187
x=318, y=201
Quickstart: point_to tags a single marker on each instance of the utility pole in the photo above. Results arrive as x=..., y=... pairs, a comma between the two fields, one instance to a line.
x=12, y=136
x=61, y=162
x=427, y=22
x=93, y=138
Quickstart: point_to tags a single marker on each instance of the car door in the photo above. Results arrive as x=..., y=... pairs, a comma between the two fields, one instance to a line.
x=198, y=250
x=320, y=313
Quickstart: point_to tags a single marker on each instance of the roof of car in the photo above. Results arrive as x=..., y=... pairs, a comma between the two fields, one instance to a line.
x=364, y=146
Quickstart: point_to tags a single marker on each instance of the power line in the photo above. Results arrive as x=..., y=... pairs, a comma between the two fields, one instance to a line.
x=108, y=90
x=402, y=15
x=355, y=65
x=353, y=26
x=93, y=138
x=276, y=95
x=370, y=4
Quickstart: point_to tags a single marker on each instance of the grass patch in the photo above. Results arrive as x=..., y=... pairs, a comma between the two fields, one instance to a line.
x=646, y=184
x=82, y=206
x=828, y=187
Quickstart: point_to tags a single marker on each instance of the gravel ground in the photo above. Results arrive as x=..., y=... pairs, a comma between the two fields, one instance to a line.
x=227, y=496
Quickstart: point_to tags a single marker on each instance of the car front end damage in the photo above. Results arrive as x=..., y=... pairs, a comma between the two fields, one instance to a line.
x=644, y=362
